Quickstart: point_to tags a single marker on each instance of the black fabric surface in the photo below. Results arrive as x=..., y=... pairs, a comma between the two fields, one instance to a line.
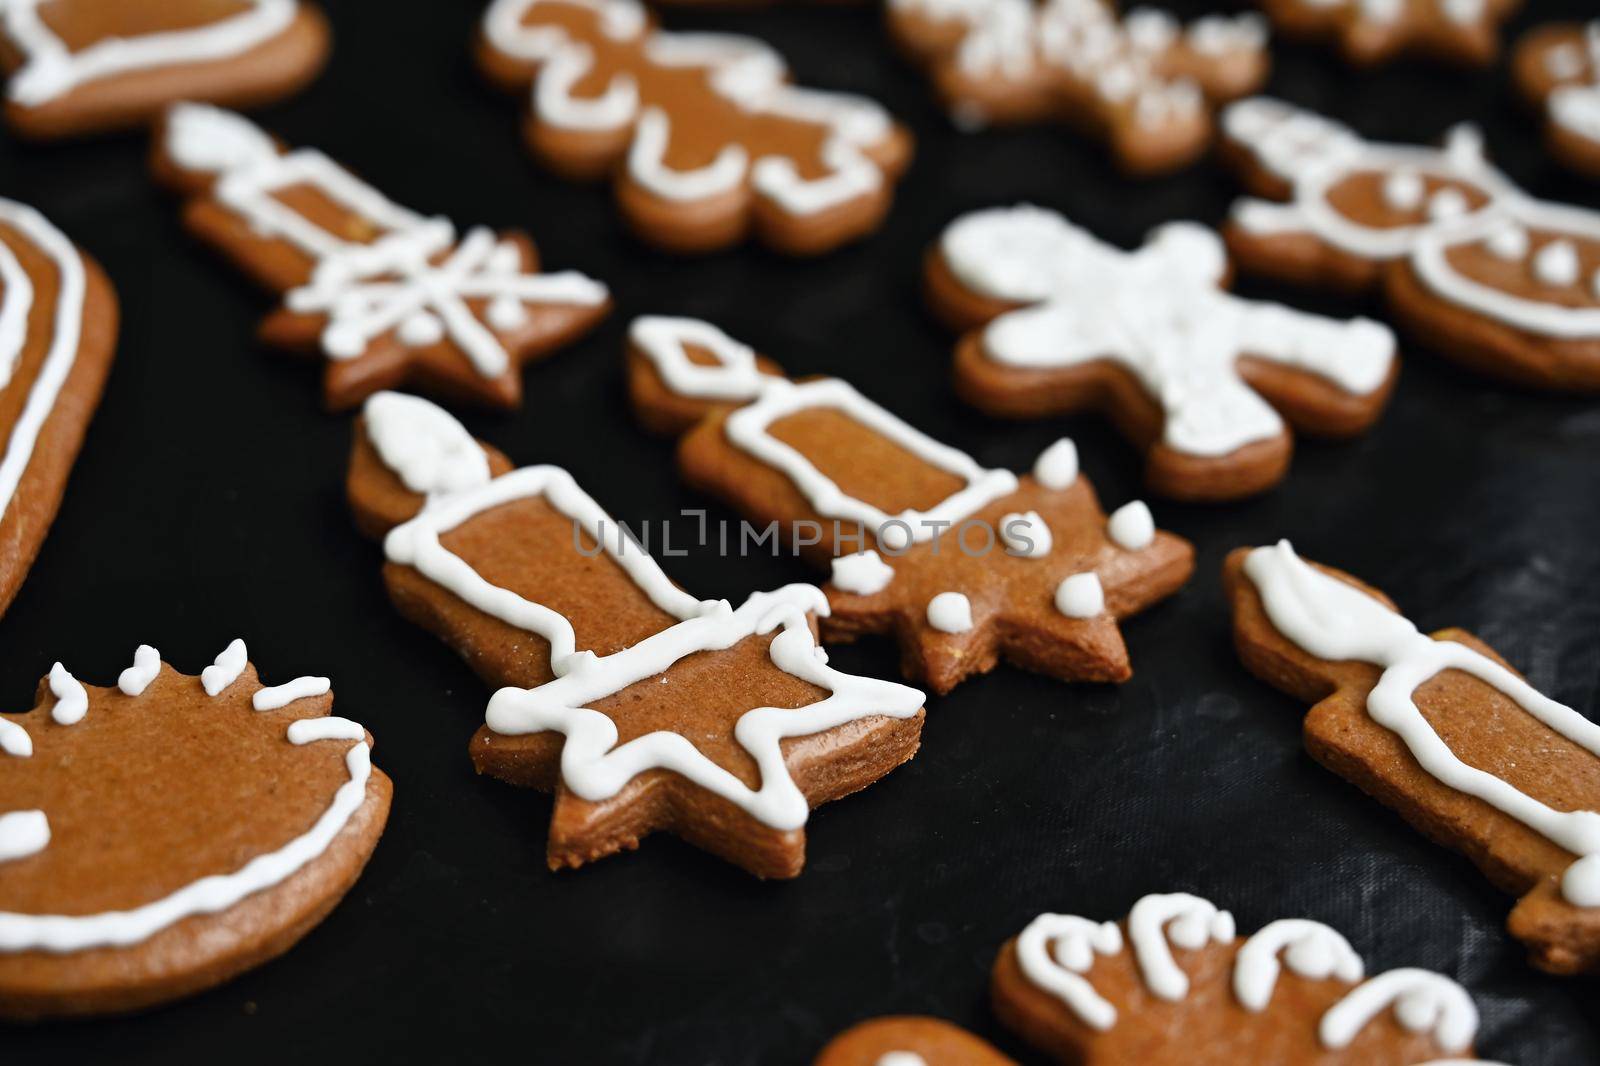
x=208, y=504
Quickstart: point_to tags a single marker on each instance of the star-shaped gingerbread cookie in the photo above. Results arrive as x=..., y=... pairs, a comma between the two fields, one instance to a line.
x=385, y=296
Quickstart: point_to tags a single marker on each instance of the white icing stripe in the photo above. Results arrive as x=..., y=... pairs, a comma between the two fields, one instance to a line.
x=226, y=668
x=311, y=730
x=210, y=895
x=23, y=833
x=72, y=702
x=663, y=341
x=1336, y=621
x=416, y=544
x=66, y=326
x=14, y=740
x=271, y=699
x=1422, y=1002
x=1157, y=922
x=423, y=444
x=16, y=300
x=1055, y=951
x=51, y=69
x=146, y=665
x=595, y=768
x=1312, y=950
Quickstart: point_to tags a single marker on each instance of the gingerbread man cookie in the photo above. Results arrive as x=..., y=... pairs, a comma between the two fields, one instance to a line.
x=639, y=706
x=1443, y=731
x=384, y=295
x=1471, y=265
x=81, y=66
x=1369, y=32
x=708, y=141
x=1056, y=321
x=909, y=1041
x=960, y=563
x=166, y=834
x=1142, y=83
x=58, y=332
x=1174, y=984
x=1557, y=67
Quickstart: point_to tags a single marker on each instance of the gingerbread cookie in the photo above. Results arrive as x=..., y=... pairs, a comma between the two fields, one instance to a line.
x=1443, y=731
x=1369, y=32
x=384, y=295
x=909, y=1041
x=164, y=835
x=58, y=333
x=1557, y=67
x=1142, y=83
x=1471, y=265
x=1173, y=984
x=81, y=66
x=708, y=141
x=639, y=706
x=960, y=563
x=1056, y=321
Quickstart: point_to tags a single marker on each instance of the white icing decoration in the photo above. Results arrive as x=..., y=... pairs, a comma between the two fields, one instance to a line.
x=901, y=1058
x=225, y=670
x=271, y=699
x=950, y=612
x=1056, y=950
x=1422, y=1002
x=663, y=341
x=1157, y=922
x=146, y=665
x=423, y=444
x=50, y=69
x=1132, y=526
x=1335, y=621
x=1557, y=264
x=311, y=730
x=1447, y=204
x=1403, y=190
x=1057, y=466
x=1574, y=105
x=72, y=702
x=1026, y=535
x=416, y=544
x=1158, y=312
x=16, y=299
x=1509, y=241
x=1311, y=949
x=864, y=573
x=1081, y=595
x=14, y=740
x=595, y=768
x=23, y=833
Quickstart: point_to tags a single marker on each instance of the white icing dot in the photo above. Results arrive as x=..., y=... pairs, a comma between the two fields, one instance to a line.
x=1403, y=190
x=901, y=1058
x=1026, y=535
x=23, y=833
x=1057, y=466
x=950, y=612
x=72, y=702
x=14, y=740
x=343, y=341
x=895, y=536
x=1557, y=264
x=1382, y=10
x=507, y=313
x=1580, y=885
x=225, y=669
x=1463, y=12
x=146, y=665
x=1508, y=241
x=863, y=573
x=420, y=329
x=1081, y=596
x=1132, y=526
x=1446, y=204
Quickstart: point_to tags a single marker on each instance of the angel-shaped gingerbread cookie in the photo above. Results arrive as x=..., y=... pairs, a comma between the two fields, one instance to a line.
x=79, y=66
x=1442, y=730
x=1142, y=83
x=962, y=564
x=163, y=835
x=708, y=141
x=1054, y=321
x=1174, y=984
x=1557, y=67
x=1369, y=32
x=1468, y=263
x=639, y=706
x=385, y=296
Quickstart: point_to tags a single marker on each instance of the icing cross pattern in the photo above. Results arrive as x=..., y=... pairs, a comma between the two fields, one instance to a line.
x=410, y=284
x=27, y=832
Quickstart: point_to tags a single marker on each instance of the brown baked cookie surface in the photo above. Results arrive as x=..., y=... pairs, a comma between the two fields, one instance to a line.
x=58, y=333
x=962, y=565
x=1443, y=731
x=1370, y=32
x=640, y=707
x=83, y=66
x=708, y=142
x=384, y=296
x=1055, y=321
x=1173, y=984
x=908, y=1041
x=1142, y=83
x=163, y=835
x=1557, y=68
x=1469, y=265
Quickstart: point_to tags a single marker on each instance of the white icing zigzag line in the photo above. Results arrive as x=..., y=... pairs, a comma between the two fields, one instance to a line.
x=1187, y=921
x=1056, y=950
x=1336, y=621
x=51, y=69
x=1311, y=950
x=596, y=769
x=227, y=667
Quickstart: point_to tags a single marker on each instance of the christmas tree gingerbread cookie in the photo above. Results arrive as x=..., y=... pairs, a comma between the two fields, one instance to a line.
x=1557, y=67
x=961, y=564
x=163, y=835
x=639, y=706
x=383, y=295
x=1055, y=321
x=1443, y=731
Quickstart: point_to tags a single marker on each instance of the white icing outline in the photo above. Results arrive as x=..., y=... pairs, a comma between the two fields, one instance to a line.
x=663, y=342
x=16, y=299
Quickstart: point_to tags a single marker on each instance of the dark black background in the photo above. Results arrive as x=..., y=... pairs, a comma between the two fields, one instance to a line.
x=207, y=504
